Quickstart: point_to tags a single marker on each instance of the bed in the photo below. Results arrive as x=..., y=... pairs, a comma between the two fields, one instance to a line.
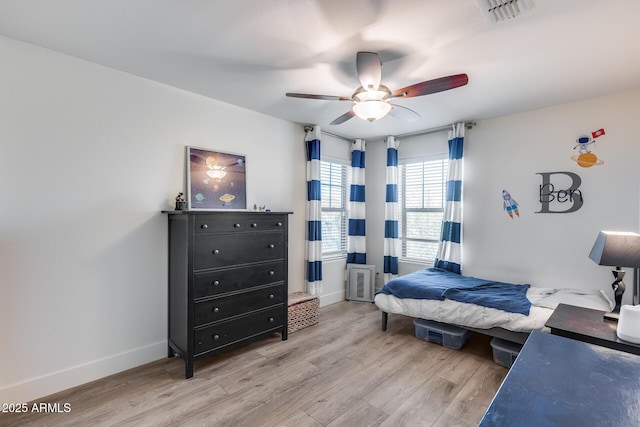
x=504, y=310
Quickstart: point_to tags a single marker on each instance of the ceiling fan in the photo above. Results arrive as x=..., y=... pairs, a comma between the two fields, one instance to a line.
x=371, y=99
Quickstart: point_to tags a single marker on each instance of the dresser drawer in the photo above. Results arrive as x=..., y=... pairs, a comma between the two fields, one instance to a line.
x=212, y=251
x=233, y=305
x=225, y=333
x=268, y=223
x=236, y=279
x=207, y=224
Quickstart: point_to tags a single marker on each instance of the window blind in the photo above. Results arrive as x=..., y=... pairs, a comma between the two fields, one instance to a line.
x=334, y=185
x=422, y=197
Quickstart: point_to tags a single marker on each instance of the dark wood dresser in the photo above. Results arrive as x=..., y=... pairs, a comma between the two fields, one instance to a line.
x=227, y=280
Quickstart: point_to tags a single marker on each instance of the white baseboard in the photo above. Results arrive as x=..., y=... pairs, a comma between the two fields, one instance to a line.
x=332, y=298
x=54, y=382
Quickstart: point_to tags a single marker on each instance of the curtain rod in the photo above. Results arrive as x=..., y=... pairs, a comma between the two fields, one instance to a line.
x=467, y=125
x=337, y=136
x=308, y=128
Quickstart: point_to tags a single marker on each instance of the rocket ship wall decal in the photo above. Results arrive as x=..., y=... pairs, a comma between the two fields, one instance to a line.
x=510, y=205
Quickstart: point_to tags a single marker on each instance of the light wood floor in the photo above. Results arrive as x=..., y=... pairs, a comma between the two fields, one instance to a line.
x=342, y=372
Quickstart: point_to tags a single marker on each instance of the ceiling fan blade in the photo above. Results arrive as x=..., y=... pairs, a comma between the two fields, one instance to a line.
x=369, y=69
x=403, y=113
x=343, y=118
x=432, y=86
x=322, y=97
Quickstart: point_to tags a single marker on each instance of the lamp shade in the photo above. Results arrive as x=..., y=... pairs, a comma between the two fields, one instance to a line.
x=372, y=109
x=617, y=248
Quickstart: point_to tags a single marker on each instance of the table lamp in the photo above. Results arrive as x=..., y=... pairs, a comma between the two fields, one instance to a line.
x=619, y=249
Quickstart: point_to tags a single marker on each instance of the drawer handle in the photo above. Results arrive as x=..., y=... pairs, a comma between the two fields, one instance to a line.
x=271, y=246
x=204, y=226
x=254, y=225
x=279, y=224
x=216, y=251
x=216, y=337
x=216, y=309
x=236, y=225
x=199, y=342
x=271, y=320
x=271, y=296
x=271, y=273
x=216, y=282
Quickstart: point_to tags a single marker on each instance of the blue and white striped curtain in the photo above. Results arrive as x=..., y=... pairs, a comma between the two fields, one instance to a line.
x=356, y=238
x=391, y=212
x=450, y=249
x=313, y=213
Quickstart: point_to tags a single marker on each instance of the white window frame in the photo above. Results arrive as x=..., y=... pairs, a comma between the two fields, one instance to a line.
x=345, y=171
x=405, y=240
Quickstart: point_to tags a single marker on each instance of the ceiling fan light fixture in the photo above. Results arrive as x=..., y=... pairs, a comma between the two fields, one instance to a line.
x=380, y=94
x=372, y=100
x=372, y=109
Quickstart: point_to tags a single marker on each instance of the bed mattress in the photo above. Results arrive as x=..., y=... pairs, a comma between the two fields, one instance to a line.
x=543, y=302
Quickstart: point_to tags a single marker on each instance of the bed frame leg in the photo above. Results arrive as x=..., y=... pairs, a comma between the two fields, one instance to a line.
x=385, y=317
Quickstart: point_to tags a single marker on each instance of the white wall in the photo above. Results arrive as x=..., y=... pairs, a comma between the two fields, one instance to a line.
x=548, y=250
x=90, y=156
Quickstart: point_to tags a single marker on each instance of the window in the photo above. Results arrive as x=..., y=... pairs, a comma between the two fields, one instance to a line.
x=421, y=195
x=335, y=187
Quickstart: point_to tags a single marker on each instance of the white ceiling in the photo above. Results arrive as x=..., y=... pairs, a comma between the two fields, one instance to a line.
x=251, y=52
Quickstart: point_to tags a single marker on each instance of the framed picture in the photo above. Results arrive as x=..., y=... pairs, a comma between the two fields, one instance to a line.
x=215, y=180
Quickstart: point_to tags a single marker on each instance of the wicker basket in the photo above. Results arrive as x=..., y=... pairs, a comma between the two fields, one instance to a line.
x=303, y=311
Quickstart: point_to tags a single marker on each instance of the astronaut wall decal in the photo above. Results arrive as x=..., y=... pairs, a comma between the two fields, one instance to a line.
x=585, y=145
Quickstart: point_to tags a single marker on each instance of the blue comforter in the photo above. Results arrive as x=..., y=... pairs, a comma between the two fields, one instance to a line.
x=438, y=284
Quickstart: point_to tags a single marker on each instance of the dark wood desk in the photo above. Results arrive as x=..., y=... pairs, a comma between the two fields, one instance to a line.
x=556, y=381
x=587, y=325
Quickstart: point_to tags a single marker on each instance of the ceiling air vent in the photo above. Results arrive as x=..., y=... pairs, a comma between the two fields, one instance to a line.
x=501, y=10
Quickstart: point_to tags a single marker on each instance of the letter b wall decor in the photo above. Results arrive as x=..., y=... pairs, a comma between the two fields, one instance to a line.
x=570, y=197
